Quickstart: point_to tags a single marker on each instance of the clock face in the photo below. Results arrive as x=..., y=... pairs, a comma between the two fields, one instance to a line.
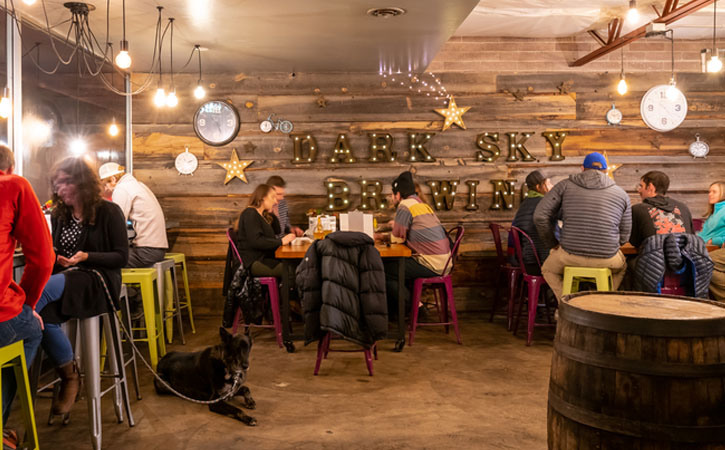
x=699, y=149
x=186, y=163
x=216, y=123
x=662, y=111
x=614, y=116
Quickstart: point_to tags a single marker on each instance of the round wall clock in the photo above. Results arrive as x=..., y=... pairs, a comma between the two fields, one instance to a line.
x=614, y=116
x=216, y=123
x=699, y=149
x=186, y=162
x=663, y=111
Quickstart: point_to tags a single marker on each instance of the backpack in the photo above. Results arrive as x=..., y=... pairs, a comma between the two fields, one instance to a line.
x=245, y=292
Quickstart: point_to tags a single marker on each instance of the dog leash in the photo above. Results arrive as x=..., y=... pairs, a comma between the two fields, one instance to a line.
x=232, y=392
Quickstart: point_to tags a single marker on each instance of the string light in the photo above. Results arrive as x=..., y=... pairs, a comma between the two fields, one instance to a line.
x=632, y=13
x=417, y=83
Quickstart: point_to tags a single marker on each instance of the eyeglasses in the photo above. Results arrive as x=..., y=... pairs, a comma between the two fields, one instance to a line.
x=62, y=182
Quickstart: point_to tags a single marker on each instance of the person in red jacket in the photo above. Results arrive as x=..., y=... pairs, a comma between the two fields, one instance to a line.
x=21, y=220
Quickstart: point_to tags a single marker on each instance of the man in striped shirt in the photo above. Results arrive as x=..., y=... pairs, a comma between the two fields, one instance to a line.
x=281, y=210
x=418, y=227
x=597, y=216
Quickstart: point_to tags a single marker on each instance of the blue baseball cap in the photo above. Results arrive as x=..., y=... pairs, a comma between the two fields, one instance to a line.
x=595, y=160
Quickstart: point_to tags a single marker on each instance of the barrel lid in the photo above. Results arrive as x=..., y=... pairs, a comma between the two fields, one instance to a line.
x=647, y=314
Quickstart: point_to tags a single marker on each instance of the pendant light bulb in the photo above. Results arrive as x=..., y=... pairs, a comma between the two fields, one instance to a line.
x=78, y=147
x=199, y=92
x=113, y=129
x=160, y=97
x=672, y=90
x=632, y=13
x=714, y=65
x=622, y=87
x=29, y=2
x=172, y=100
x=5, y=105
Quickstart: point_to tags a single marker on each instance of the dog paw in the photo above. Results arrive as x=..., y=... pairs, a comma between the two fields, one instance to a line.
x=249, y=403
x=249, y=421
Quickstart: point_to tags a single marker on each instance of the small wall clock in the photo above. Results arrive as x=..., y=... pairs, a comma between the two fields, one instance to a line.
x=216, y=123
x=186, y=162
x=662, y=110
x=614, y=116
x=699, y=149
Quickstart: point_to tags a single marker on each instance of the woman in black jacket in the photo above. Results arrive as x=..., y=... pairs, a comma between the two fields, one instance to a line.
x=257, y=235
x=90, y=240
x=538, y=185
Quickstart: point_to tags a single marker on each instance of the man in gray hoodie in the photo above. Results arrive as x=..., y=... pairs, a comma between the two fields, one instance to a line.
x=597, y=221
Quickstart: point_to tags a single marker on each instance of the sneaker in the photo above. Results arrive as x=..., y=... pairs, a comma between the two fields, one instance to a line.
x=10, y=439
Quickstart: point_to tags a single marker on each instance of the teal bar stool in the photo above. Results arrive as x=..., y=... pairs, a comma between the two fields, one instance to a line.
x=601, y=276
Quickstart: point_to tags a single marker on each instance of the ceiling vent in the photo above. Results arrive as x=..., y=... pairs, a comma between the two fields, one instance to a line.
x=386, y=13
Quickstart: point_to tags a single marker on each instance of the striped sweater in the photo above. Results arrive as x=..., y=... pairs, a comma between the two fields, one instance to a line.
x=596, y=214
x=417, y=225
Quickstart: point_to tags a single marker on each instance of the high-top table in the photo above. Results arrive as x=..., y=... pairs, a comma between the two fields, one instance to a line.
x=628, y=249
x=291, y=254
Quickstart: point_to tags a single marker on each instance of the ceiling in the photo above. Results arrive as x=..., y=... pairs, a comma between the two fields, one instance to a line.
x=338, y=35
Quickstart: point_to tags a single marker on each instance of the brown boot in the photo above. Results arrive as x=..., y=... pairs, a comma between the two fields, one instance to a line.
x=69, y=384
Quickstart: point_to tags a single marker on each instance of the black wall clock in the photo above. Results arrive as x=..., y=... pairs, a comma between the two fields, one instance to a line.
x=216, y=123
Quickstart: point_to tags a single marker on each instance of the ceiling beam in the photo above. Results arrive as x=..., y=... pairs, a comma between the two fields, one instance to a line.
x=671, y=13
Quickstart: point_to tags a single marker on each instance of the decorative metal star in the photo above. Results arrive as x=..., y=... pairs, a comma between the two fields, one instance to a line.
x=610, y=167
x=235, y=168
x=249, y=146
x=453, y=114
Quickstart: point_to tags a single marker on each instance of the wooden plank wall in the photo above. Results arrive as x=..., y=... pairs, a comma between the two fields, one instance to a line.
x=201, y=206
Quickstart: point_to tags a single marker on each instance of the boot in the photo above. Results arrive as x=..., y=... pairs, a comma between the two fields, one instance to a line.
x=69, y=385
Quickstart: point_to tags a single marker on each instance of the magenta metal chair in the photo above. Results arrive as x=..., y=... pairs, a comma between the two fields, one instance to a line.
x=534, y=283
x=672, y=284
x=272, y=289
x=441, y=285
x=323, y=348
x=510, y=273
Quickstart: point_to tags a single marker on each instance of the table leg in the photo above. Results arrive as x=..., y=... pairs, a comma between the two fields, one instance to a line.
x=400, y=342
x=285, y=313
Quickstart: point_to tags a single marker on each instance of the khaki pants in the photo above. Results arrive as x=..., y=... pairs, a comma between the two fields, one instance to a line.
x=717, y=282
x=553, y=268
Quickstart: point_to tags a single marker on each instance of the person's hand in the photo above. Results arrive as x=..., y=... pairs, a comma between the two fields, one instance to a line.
x=40, y=319
x=78, y=258
x=63, y=261
x=298, y=231
x=288, y=238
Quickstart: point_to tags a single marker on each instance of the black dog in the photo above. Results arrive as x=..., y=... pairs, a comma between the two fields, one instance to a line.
x=211, y=374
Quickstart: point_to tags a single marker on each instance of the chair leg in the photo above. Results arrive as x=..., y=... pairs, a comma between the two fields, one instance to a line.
x=129, y=337
x=147, y=296
x=417, y=290
x=320, y=351
x=452, y=305
x=122, y=381
x=277, y=321
x=521, y=306
x=512, y=285
x=92, y=369
x=237, y=319
x=496, y=294
x=26, y=403
x=534, y=289
x=185, y=277
x=113, y=369
x=443, y=306
x=326, y=344
x=368, y=361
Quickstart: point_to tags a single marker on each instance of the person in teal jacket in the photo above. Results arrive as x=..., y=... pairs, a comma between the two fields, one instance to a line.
x=713, y=231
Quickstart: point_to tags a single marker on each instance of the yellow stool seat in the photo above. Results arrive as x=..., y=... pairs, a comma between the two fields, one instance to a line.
x=146, y=278
x=180, y=259
x=602, y=276
x=13, y=355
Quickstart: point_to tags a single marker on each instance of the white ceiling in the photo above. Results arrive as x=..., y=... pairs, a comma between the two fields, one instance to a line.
x=338, y=36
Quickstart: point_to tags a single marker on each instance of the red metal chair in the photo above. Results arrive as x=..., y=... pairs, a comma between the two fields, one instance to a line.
x=272, y=289
x=511, y=273
x=323, y=348
x=535, y=283
x=442, y=284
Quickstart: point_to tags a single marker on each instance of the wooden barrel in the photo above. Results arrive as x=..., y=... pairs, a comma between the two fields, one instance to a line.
x=637, y=371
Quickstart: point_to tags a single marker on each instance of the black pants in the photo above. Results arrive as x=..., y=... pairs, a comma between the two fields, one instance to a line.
x=413, y=270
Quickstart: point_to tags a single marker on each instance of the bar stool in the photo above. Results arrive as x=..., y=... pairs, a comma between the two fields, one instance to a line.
x=13, y=355
x=125, y=315
x=180, y=259
x=602, y=276
x=153, y=321
x=323, y=348
x=166, y=278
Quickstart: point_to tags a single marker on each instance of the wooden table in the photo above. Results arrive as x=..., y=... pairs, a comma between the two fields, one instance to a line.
x=629, y=250
x=291, y=254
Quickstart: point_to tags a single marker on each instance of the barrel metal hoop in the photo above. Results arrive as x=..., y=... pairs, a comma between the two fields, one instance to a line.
x=641, y=325
x=635, y=428
x=639, y=366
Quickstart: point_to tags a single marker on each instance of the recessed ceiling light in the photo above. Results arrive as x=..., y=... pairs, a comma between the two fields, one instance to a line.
x=390, y=11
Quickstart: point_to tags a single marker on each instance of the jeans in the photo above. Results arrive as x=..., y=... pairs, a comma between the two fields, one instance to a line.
x=413, y=270
x=26, y=327
x=55, y=342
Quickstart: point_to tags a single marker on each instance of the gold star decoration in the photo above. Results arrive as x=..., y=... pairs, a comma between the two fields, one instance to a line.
x=453, y=114
x=235, y=168
x=610, y=167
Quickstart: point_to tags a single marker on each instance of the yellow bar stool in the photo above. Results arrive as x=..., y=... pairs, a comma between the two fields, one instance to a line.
x=180, y=259
x=602, y=276
x=13, y=355
x=146, y=278
x=166, y=272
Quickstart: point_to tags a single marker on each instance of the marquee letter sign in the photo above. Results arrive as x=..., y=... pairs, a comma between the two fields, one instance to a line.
x=488, y=143
x=418, y=152
x=444, y=193
x=556, y=140
x=518, y=147
x=338, y=195
x=371, y=192
x=503, y=194
x=305, y=148
x=472, y=187
x=381, y=147
x=341, y=151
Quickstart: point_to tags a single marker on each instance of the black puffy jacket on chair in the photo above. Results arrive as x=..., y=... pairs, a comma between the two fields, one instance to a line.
x=342, y=284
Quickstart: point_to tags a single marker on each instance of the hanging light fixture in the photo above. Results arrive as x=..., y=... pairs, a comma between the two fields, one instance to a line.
x=622, y=85
x=6, y=105
x=29, y=2
x=172, y=100
x=632, y=13
x=715, y=64
x=113, y=128
x=123, y=59
x=672, y=91
x=199, y=92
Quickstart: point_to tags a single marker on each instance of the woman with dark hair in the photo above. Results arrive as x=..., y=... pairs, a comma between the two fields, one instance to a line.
x=713, y=231
x=538, y=185
x=89, y=236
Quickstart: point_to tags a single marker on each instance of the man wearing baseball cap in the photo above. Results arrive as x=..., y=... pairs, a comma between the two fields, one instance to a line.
x=597, y=220
x=140, y=206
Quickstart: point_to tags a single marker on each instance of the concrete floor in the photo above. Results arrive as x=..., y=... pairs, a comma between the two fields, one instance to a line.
x=488, y=393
